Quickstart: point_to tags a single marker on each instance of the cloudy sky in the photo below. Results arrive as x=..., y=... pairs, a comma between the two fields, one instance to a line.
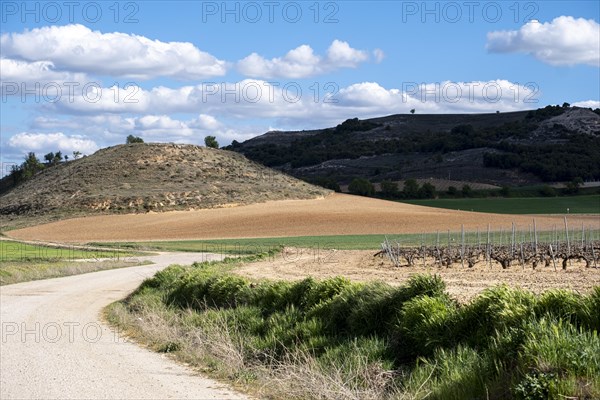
x=78, y=76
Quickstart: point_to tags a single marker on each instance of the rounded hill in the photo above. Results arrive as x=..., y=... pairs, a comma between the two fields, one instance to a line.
x=152, y=177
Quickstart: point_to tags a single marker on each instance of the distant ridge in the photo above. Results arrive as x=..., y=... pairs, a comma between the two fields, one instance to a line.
x=551, y=144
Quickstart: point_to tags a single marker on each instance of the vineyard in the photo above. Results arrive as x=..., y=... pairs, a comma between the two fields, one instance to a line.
x=559, y=248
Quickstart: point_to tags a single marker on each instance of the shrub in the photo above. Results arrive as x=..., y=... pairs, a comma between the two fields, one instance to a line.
x=227, y=291
x=133, y=139
x=425, y=324
x=423, y=284
x=554, y=355
x=548, y=191
x=319, y=292
x=454, y=374
x=165, y=279
x=562, y=304
x=389, y=189
x=373, y=310
x=591, y=320
x=495, y=309
x=211, y=141
x=273, y=296
x=361, y=187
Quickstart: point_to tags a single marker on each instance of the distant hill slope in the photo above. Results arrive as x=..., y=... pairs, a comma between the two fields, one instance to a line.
x=152, y=177
x=545, y=145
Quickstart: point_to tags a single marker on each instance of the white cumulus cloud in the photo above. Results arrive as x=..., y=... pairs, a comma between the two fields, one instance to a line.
x=563, y=41
x=77, y=48
x=593, y=104
x=251, y=99
x=302, y=62
x=38, y=71
x=57, y=141
x=38, y=78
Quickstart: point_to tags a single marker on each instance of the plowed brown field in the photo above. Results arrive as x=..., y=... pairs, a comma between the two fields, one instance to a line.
x=338, y=214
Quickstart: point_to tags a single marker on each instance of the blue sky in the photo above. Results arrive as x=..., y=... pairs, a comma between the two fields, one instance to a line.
x=178, y=71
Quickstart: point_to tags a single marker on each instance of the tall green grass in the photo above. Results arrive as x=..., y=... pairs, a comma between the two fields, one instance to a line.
x=372, y=340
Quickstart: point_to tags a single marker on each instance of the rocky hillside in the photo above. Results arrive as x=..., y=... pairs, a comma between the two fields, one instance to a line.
x=152, y=177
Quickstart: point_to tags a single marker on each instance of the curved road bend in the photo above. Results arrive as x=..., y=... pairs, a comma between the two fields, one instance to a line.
x=53, y=344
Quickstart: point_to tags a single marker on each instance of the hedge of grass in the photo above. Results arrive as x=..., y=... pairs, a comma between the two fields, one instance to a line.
x=506, y=343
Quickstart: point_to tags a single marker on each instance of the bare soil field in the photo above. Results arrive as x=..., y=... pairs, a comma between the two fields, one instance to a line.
x=337, y=214
x=462, y=283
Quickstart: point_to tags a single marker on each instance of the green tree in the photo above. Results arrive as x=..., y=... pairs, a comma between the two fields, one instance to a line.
x=411, y=189
x=57, y=157
x=427, y=191
x=467, y=191
x=452, y=191
x=76, y=154
x=49, y=158
x=211, y=141
x=389, y=189
x=361, y=187
x=27, y=169
x=31, y=166
x=548, y=191
x=133, y=139
x=574, y=185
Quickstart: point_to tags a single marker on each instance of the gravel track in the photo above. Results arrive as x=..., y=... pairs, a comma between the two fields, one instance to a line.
x=54, y=344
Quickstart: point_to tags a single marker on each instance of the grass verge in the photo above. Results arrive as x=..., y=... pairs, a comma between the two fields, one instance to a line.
x=13, y=251
x=532, y=205
x=21, y=262
x=16, y=272
x=335, y=339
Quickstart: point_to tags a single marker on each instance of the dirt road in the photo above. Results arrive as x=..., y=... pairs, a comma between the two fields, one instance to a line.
x=338, y=214
x=54, y=345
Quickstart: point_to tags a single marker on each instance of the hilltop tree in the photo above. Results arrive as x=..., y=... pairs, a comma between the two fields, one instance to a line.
x=27, y=169
x=31, y=165
x=53, y=158
x=412, y=111
x=76, y=154
x=211, y=141
x=133, y=139
x=49, y=157
x=58, y=157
